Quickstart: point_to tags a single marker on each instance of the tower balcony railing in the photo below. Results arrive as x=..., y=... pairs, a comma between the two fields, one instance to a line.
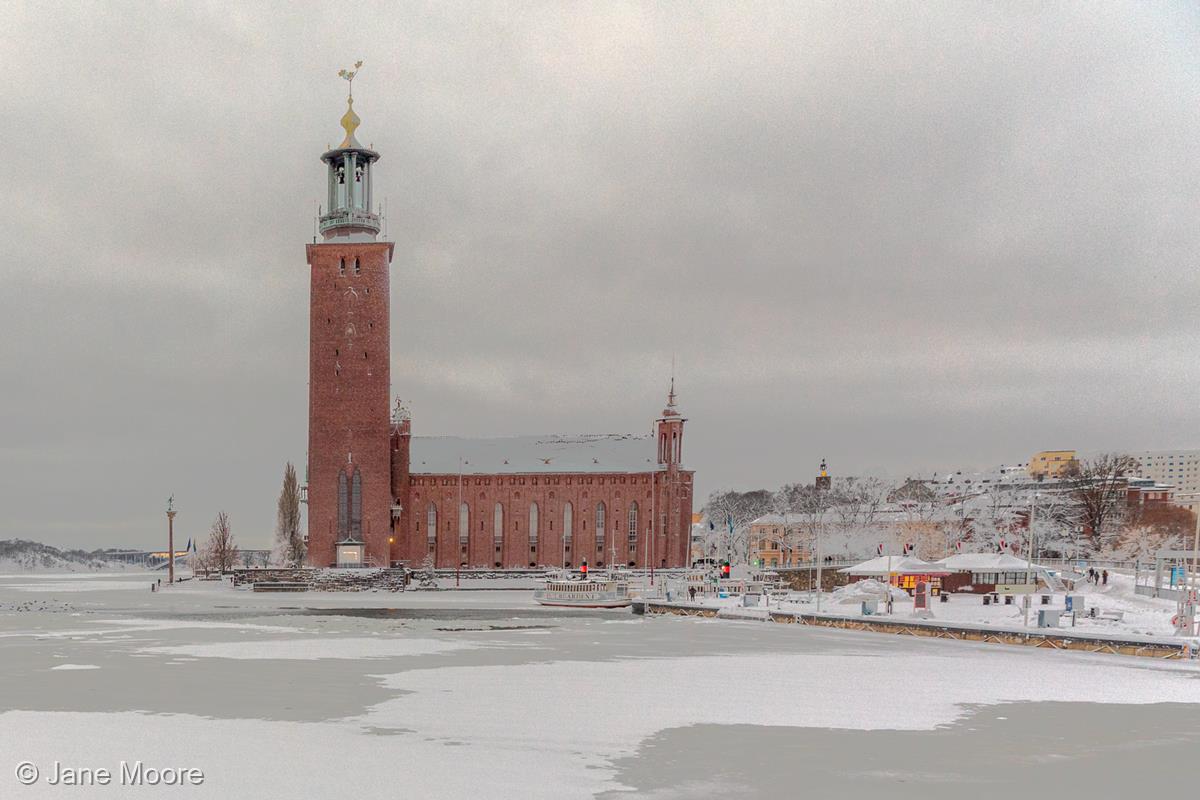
x=349, y=218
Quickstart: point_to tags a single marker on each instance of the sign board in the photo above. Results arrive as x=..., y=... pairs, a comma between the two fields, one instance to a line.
x=1177, y=577
x=921, y=600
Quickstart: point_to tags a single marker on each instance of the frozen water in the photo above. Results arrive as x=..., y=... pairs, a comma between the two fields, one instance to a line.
x=333, y=695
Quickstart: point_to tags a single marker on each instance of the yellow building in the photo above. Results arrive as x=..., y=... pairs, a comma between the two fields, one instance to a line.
x=1050, y=463
x=776, y=541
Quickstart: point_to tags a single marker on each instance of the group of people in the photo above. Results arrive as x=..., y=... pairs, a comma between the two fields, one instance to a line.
x=1097, y=577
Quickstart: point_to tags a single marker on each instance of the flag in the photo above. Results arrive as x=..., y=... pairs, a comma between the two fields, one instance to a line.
x=879, y=549
x=958, y=546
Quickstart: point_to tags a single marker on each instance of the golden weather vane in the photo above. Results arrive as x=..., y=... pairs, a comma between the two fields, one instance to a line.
x=349, y=74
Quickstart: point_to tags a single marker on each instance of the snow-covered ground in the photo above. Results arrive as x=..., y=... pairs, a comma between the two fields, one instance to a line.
x=479, y=694
x=1140, y=616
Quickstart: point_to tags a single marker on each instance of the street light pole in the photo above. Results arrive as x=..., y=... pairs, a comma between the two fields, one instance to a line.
x=1028, y=598
x=171, y=540
x=818, y=569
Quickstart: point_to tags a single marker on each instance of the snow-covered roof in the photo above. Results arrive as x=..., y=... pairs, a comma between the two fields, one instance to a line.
x=611, y=452
x=980, y=562
x=896, y=565
x=777, y=519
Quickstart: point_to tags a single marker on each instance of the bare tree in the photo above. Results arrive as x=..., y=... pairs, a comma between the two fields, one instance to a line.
x=202, y=560
x=1099, y=486
x=855, y=507
x=1154, y=527
x=222, y=551
x=809, y=509
x=731, y=509
x=289, y=542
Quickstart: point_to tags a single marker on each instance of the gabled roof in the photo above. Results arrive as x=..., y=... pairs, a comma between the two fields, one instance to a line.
x=586, y=453
x=977, y=562
x=896, y=565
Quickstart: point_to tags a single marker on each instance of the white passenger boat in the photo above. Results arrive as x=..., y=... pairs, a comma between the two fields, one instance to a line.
x=584, y=593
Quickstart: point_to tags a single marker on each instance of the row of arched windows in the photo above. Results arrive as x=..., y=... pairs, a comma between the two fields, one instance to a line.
x=464, y=521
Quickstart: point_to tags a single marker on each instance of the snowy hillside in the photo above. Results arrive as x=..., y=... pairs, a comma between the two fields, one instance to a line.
x=18, y=555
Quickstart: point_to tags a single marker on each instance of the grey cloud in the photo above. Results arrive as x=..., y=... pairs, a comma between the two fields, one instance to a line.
x=899, y=236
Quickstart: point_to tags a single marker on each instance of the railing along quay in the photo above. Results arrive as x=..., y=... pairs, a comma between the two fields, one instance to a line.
x=1053, y=639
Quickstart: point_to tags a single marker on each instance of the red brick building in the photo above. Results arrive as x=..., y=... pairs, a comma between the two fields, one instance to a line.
x=378, y=495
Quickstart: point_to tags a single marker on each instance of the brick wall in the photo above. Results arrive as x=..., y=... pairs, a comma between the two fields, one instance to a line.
x=349, y=389
x=551, y=492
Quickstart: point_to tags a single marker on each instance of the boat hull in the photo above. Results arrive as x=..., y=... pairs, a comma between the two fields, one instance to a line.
x=623, y=603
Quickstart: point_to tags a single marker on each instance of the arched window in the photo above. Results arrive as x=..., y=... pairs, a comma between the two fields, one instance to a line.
x=568, y=523
x=498, y=525
x=533, y=524
x=357, y=270
x=341, y=266
x=464, y=522
x=600, y=528
x=356, y=505
x=633, y=509
x=343, y=505
x=431, y=523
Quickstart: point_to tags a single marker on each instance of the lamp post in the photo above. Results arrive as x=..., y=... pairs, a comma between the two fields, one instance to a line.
x=171, y=540
x=1027, y=599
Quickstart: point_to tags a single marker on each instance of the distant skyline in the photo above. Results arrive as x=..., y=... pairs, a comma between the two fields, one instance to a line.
x=902, y=237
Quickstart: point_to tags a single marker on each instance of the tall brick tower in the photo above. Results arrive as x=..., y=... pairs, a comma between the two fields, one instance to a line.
x=349, y=463
x=669, y=544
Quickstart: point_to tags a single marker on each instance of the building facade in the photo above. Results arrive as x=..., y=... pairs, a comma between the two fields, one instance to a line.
x=379, y=496
x=1050, y=463
x=1177, y=468
x=542, y=501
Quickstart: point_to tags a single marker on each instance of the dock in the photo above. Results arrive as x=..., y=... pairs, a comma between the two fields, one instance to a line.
x=1047, y=638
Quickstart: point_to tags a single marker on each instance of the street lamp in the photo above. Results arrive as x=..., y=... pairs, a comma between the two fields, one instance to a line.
x=171, y=540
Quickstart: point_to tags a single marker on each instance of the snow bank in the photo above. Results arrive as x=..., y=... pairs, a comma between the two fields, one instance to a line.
x=866, y=589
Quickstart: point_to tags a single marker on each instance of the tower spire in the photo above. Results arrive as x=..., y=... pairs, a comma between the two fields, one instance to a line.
x=350, y=120
x=670, y=410
x=350, y=203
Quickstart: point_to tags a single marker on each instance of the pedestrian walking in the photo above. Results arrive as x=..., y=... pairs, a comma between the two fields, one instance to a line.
x=692, y=593
x=1105, y=577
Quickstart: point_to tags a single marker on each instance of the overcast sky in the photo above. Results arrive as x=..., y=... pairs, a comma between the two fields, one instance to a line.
x=900, y=236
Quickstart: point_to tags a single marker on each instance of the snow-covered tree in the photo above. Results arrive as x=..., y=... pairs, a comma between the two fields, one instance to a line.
x=740, y=508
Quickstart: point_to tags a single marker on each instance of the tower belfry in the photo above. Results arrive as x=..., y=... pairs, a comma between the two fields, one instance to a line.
x=350, y=196
x=349, y=461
